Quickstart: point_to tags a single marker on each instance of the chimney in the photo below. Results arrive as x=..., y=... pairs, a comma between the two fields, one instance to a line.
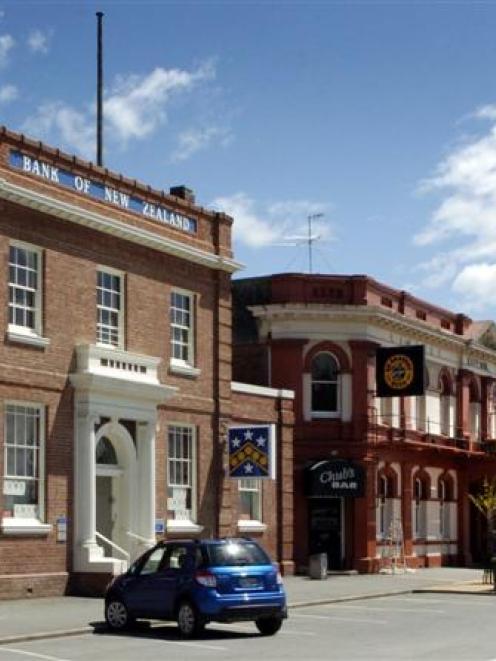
x=184, y=193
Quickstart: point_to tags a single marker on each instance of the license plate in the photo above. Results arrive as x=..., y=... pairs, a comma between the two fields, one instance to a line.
x=249, y=582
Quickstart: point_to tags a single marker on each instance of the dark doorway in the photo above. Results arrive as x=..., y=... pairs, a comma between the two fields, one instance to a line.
x=325, y=535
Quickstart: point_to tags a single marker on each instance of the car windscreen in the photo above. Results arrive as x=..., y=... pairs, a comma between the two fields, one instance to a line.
x=236, y=553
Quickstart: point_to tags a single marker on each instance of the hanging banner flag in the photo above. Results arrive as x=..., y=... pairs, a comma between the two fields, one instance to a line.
x=400, y=371
x=252, y=451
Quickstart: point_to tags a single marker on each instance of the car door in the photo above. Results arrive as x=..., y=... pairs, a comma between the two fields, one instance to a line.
x=143, y=586
x=171, y=580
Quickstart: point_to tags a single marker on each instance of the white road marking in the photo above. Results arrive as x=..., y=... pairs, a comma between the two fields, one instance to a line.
x=436, y=611
x=284, y=631
x=36, y=655
x=200, y=645
x=477, y=601
x=367, y=620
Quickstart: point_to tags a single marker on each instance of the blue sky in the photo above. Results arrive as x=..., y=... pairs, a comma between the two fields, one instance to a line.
x=379, y=115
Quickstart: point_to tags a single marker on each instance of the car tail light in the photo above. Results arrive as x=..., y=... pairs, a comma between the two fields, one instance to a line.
x=206, y=578
x=279, y=578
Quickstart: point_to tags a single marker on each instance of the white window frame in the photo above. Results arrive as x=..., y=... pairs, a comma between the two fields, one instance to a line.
x=251, y=485
x=121, y=312
x=21, y=333
x=315, y=413
x=184, y=524
x=180, y=365
x=28, y=525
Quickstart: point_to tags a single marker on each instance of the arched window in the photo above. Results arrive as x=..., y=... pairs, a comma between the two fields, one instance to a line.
x=444, y=405
x=474, y=411
x=325, y=382
x=445, y=496
x=385, y=491
x=105, y=452
x=420, y=494
x=491, y=423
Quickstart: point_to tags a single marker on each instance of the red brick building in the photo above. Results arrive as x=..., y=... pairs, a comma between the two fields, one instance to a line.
x=377, y=480
x=115, y=388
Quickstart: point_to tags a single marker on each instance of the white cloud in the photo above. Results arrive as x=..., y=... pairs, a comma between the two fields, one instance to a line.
x=137, y=104
x=8, y=93
x=7, y=43
x=464, y=221
x=134, y=107
x=277, y=223
x=486, y=112
x=476, y=284
x=440, y=270
x=73, y=128
x=39, y=41
x=193, y=140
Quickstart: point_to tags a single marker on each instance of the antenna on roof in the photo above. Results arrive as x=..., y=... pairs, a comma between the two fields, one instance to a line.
x=308, y=238
x=311, y=237
x=99, y=90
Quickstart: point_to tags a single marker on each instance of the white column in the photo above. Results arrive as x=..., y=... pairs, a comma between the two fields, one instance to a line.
x=86, y=546
x=146, y=484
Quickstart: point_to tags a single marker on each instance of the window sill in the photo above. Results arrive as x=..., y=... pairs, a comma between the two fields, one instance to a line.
x=183, y=369
x=251, y=526
x=27, y=527
x=324, y=416
x=184, y=526
x=21, y=336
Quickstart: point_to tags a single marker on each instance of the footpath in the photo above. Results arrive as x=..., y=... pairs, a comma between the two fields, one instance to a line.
x=50, y=617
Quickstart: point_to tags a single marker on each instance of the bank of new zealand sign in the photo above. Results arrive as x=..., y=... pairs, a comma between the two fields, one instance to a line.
x=99, y=191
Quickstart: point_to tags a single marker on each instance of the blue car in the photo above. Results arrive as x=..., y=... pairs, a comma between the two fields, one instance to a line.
x=198, y=581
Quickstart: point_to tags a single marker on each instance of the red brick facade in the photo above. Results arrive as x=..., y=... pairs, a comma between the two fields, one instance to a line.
x=65, y=227
x=420, y=456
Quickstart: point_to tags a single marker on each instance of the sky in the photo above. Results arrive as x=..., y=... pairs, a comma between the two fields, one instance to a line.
x=376, y=119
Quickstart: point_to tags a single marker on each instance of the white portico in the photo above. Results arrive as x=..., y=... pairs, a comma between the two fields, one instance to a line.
x=116, y=399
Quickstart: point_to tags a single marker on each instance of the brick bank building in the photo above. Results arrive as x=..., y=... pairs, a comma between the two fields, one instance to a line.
x=116, y=391
x=377, y=480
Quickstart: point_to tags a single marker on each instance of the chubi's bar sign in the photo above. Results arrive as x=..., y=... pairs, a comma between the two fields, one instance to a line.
x=101, y=192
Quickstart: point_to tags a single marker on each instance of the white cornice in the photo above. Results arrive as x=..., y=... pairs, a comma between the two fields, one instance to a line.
x=263, y=391
x=370, y=314
x=75, y=214
x=132, y=391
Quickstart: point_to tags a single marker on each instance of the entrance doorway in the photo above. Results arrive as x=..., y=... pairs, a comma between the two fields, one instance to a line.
x=326, y=531
x=109, y=504
x=105, y=509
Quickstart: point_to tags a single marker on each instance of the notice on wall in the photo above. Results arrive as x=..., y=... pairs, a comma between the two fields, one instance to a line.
x=159, y=526
x=26, y=511
x=14, y=488
x=61, y=528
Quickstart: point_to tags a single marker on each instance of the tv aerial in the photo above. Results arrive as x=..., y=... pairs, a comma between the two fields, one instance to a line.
x=309, y=238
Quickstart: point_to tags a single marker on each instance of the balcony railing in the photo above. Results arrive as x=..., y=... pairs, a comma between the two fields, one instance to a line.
x=409, y=429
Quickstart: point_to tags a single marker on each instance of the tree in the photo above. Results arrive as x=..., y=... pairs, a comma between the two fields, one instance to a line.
x=485, y=502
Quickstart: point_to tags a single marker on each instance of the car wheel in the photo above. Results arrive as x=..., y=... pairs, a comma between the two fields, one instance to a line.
x=189, y=622
x=268, y=626
x=117, y=615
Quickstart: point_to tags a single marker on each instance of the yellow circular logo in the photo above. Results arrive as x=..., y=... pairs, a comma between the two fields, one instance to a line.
x=398, y=371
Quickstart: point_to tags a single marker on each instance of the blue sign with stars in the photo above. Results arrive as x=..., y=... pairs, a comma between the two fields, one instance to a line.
x=251, y=451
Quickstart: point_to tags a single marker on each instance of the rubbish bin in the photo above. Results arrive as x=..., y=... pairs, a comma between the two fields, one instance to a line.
x=317, y=567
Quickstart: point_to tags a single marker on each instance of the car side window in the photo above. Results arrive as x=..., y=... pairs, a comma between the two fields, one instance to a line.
x=153, y=562
x=199, y=558
x=176, y=558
